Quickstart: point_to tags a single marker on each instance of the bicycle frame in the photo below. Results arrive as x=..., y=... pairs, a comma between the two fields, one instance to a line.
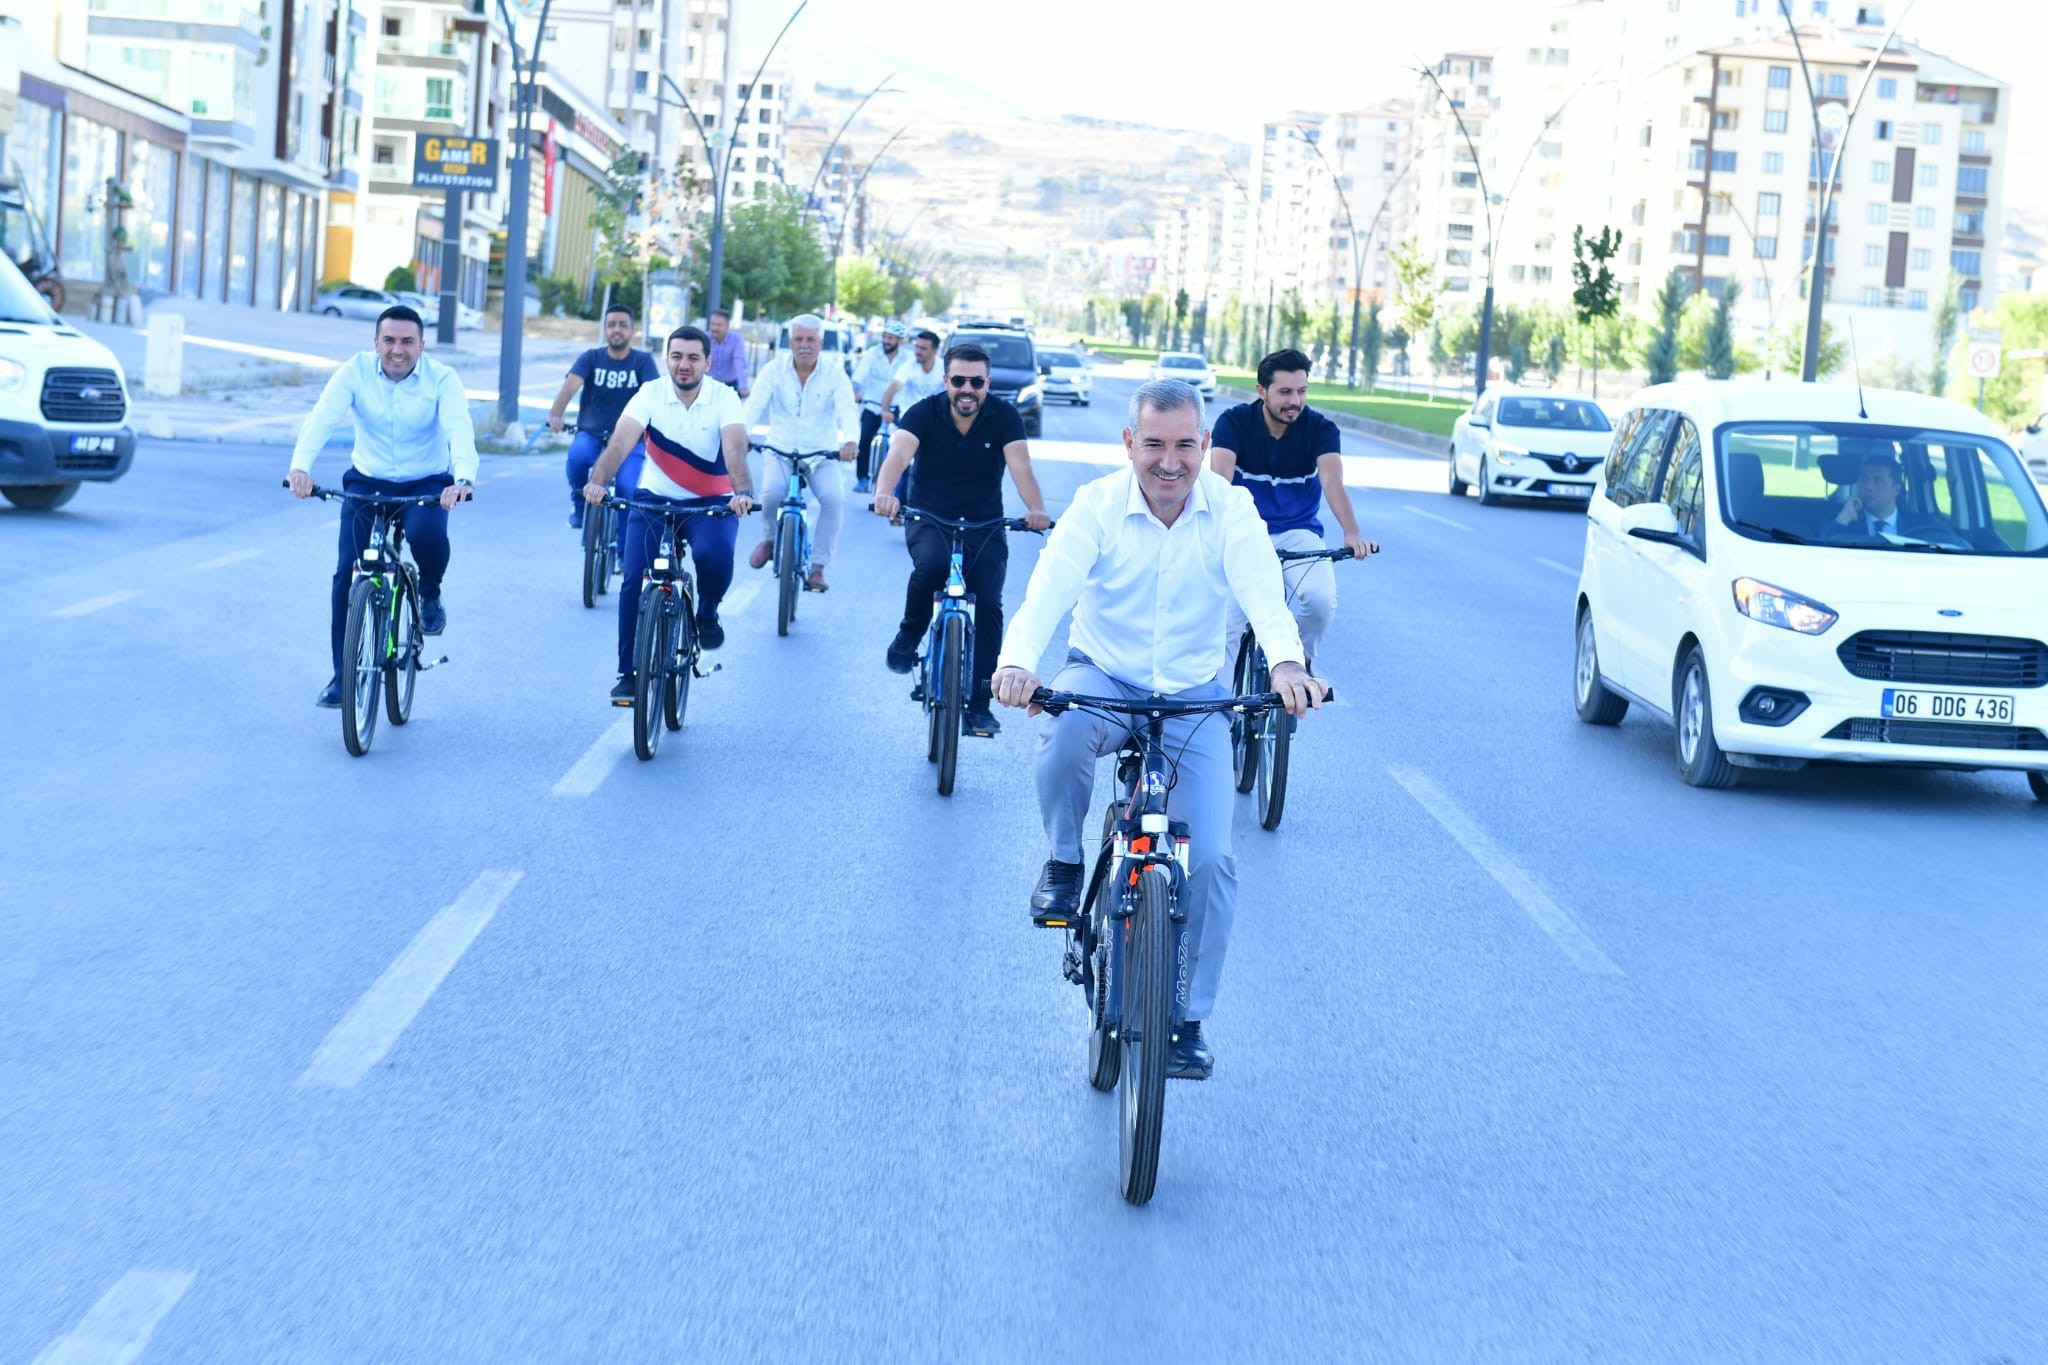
x=795, y=503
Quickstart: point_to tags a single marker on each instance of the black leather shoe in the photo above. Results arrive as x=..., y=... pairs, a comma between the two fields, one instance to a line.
x=903, y=651
x=982, y=721
x=1058, y=896
x=622, y=690
x=1190, y=1059
x=710, y=634
x=330, y=695
x=433, y=616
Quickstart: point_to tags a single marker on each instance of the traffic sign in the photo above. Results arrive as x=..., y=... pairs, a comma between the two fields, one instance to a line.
x=1982, y=360
x=455, y=163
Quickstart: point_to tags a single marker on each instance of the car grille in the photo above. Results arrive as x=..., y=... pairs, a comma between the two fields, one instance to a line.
x=1571, y=464
x=67, y=463
x=1940, y=734
x=83, y=396
x=1945, y=660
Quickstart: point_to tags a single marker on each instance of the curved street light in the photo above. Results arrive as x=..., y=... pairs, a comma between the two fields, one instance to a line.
x=1485, y=197
x=882, y=87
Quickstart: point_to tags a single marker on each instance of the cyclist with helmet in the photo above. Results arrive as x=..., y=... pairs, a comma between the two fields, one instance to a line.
x=870, y=381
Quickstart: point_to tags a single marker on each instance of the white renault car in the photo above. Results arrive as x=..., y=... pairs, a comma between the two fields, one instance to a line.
x=1516, y=444
x=1799, y=573
x=1064, y=374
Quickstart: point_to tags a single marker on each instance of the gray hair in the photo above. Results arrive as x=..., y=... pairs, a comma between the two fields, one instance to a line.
x=809, y=321
x=1162, y=395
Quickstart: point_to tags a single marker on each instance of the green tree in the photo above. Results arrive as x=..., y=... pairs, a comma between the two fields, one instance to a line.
x=1693, y=326
x=1596, y=294
x=863, y=288
x=1414, y=291
x=772, y=257
x=402, y=277
x=1155, y=319
x=2014, y=398
x=938, y=297
x=1718, y=354
x=1662, y=360
x=1786, y=348
x=1948, y=321
x=1554, y=356
x=1294, y=318
x=1372, y=339
x=905, y=293
x=1180, y=312
x=1134, y=320
x=620, y=257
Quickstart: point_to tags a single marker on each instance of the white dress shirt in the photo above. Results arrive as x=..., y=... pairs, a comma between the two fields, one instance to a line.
x=918, y=382
x=871, y=377
x=1149, y=599
x=413, y=429
x=804, y=415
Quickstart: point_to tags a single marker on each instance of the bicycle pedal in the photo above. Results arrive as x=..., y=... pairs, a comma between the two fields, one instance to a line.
x=1055, y=923
x=426, y=664
x=701, y=671
x=625, y=702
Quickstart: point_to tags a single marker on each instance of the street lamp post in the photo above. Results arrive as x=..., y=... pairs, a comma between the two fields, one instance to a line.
x=859, y=188
x=519, y=169
x=1252, y=211
x=881, y=88
x=1479, y=171
x=1357, y=251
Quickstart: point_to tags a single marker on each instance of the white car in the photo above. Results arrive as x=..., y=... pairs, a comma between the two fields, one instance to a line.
x=2033, y=448
x=1799, y=573
x=1065, y=375
x=1518, y=444
x=1188, y=368
x=63, y=402
x=353, y=301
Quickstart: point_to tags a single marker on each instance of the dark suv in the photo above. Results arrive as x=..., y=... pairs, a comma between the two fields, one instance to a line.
x=1012, y=367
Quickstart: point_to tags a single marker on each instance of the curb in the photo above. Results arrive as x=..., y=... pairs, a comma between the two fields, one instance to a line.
x=1421, y=442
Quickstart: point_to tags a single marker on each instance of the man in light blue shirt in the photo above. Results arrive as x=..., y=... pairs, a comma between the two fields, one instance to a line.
x=413, y=438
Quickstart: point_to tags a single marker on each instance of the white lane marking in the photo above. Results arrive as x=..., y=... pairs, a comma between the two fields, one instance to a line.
x=368, y=1031
x=93, y=604
x=122, y=1322
x=598, y=761
x=738, y=599
x=1564, y=569
x=1431, y=516
x=1548, y=914
x=231, y=557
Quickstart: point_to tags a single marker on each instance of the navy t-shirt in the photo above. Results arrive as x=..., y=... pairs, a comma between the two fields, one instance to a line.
x=1281, y=475
x=608, y=385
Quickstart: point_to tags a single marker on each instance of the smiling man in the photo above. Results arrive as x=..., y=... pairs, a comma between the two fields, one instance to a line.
x=1147, y=559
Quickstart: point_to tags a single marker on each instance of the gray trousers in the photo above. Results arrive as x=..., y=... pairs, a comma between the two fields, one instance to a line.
x=1311, y=586
x=1068, y=747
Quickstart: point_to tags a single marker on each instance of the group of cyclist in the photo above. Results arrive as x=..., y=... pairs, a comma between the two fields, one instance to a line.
x=1159, y=563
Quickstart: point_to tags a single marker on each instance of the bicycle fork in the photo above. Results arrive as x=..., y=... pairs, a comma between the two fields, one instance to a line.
x=1146, y=840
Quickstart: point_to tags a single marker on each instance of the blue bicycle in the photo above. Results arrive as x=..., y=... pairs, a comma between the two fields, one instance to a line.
x=944, y=680
x=793, y=531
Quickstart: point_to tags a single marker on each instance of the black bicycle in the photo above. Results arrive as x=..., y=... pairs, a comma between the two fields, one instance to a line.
x=666, y=655
x=1259, y=745
x=1125, y=949
x=382, y=642
x=946, y=668
x=603, y=526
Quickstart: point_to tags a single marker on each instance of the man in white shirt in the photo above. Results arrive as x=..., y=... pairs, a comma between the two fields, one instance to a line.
x=916, y=379
x=696, y=438
x=807, y=407
x=1147, y=559
x=870, y=381
x=413, y=438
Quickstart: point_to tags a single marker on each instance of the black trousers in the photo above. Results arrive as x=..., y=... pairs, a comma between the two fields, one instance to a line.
x=870, y=423
x=426, y=531
x=985, y=562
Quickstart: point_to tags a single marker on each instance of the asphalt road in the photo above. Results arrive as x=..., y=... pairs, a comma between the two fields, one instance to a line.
x=499, y=1044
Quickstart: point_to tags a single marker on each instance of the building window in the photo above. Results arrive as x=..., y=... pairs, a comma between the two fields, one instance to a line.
x=1767, y=248
x=1969, y=264
x=1876, y=214
x=1930, y=175
x=1774, y=120
x=639, y=82
x=1760, y=288
x=1923, y=217
x=1867, y=296
x=440, y=97
x=1916, y=299
x=1973, y=139
x=1971, y=179
x=1540, y=275
x=1968, y=296
x=1873, y=255
x=1887, y=88
x=1724, y=161
x=1774, y=163
x=1921, y=258
x=1880, y=172
x=1834, y=83
x=1883, y=131
x=1457, y=284
x=1729, y=76
x=1717, y=244
x=1767, y=204
x=1459, y=232
x=1930, y=135
x=391, y=28
x=1969, y=222
x=1517, y=274
x=1724, y=120
x=1781, y=78
x=92, y=156
x=1458, y=256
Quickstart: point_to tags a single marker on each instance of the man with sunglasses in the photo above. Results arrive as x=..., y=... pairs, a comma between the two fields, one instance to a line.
x=962, y=441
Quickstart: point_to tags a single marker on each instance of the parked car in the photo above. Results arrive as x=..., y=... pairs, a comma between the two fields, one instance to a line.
x=1798, y=573
x=2033, y=448
x=1012, y=368
x=353, y=301
x=63, y=402
x=1188, y=368
x=428, y=306
x=1065, y=375
x=1518, y=444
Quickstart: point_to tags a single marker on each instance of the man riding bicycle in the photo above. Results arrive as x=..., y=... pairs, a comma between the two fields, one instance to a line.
x=870, y=381
x=807, y=406
x=1289, y=457
x=1147, y=560
x=413, y=438
x=609, y=375
x=696, y=436
x=961, y=443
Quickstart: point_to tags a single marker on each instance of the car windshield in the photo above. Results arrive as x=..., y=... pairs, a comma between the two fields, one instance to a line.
x=19, y=302
x=1875, y=487
x=1182, y=362
x=1004, y=352
x=1062, y=358
x=1553, y=414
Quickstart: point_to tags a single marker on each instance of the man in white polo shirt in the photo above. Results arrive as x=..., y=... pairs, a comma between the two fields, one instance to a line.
x=696, y=435
x=1147, y=559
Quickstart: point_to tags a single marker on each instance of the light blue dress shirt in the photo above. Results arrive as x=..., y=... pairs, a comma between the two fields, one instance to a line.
x=413, y=429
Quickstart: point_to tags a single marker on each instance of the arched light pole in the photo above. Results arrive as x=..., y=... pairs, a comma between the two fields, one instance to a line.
x=859, y=188
x=881, y=88
x=1252, y=211
x=1486, y=198
x=519, y=169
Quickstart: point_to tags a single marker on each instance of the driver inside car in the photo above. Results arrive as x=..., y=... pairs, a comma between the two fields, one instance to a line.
x=1871, y=511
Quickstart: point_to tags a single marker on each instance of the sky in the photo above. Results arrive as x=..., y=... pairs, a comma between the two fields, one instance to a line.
x=1171, y=64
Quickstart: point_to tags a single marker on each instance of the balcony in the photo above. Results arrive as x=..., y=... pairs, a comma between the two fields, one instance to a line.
x=390, y=171
x=421, y=52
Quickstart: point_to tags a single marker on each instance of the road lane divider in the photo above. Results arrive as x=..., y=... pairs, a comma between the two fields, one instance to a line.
x=369, y=1030
x=738, y=599
x=1550, y=917
x=1431, y=516
x=119, y=1326
x=1564, y=569
x=222, y=561
x=598, y=761
x=101, y=603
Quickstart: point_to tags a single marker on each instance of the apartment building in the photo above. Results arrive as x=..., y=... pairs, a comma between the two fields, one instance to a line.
x=760, y=112
x=1453, y=131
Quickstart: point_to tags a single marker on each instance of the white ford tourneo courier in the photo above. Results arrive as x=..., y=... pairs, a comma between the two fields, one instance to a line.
x=1800, y=573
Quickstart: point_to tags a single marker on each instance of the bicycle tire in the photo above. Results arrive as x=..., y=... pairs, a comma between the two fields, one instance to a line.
x=650, y=659
x=1251, y=669
x=402, y=667
x=362, y=669
x=1275, y=736
x=786, y=569
x=595, y=551
x=928, y=669
x=1105, y=1057
x=1147, y=1004
x=681, y=657
x=952, y=674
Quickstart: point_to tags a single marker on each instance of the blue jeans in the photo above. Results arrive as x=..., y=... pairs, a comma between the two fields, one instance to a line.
x=710, y=540
x=426, y=531
x=583, y=453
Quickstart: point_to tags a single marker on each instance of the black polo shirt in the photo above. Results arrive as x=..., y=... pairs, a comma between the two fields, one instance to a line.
x=958, y=474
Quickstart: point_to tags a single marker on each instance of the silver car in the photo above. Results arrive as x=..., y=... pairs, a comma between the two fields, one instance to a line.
x=428, y=306
x=353, y=301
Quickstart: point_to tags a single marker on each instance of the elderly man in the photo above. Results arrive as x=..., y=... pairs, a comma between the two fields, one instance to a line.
x=807, y=407
x=1148, y=559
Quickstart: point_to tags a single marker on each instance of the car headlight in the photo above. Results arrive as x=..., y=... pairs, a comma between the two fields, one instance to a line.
x=1029, y=394
x=1774, y=606
x=1512, y=452
x=13, y=376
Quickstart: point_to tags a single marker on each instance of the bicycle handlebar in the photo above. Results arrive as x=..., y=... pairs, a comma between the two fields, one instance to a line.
x=376, y=499
x=1342, y=552
x=955, y=523
x=686, y=507
x=1160, y=707
x=804, y=458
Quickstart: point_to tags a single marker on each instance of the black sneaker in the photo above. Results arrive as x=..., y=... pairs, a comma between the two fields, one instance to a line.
x=1190, y=1058
x=903, y=651
x=1058, y=896
x=709, y=633
x=982, y=722
x=622, y=690
x=433, y=616
x=330, y=695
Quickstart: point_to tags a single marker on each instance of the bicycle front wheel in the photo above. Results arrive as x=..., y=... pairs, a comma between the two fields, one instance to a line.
x=786, y=569
x=402, y=653
x=362, y=665
x=1104, y=1055
x=681, y=657
x=952, y=677
x=928, y=689
x=596, y=552
x=650, y=672
x=1146, y=1033
x=1275, y=732
x=1251, y=677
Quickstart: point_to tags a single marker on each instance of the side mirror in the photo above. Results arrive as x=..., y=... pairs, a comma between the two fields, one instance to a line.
x=1654, y=522
x=1479, y=422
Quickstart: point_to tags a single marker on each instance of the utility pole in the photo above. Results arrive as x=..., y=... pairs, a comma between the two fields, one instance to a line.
x=520, y=170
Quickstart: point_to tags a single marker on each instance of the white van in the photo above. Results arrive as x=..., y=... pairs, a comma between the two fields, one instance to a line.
x=63, y=402
x=1797, y=573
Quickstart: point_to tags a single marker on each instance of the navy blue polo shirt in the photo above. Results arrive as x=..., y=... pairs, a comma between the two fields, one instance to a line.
x=1281, y=475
